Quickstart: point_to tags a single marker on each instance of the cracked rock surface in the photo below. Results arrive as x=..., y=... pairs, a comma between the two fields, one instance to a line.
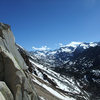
x=15, y=81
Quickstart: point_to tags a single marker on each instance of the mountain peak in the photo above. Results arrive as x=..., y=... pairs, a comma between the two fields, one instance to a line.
x=74, y=44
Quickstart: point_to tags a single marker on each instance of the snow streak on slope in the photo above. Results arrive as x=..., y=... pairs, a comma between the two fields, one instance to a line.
x=52, y=91
x=63, y=97
x=61, y=81
x=60, y=86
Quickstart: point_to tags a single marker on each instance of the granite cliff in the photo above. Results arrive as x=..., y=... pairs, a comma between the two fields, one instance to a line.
x=15, y=81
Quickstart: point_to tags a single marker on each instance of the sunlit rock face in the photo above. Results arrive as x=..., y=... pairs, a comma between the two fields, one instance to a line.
x=15, y=81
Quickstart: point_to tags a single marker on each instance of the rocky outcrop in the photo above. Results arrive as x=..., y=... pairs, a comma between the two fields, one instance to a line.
x=26, y=57
x=13, y=70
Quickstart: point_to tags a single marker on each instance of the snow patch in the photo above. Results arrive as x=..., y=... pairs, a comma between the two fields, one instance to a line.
x=85, y=46
x=41, y=98
x=55, y=93
x=93, y=44
x=74, y=44
x=66, y=50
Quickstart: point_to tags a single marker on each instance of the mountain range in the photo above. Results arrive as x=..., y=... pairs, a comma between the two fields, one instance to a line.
x=77, y=59
x=64, y=54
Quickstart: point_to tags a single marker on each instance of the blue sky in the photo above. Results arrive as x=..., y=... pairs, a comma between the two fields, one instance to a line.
x=50, y=22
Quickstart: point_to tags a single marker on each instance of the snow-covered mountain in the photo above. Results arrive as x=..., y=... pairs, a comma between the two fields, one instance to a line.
x=85, y=67
x=53, y=58
x=51, y=85
x=70, y=72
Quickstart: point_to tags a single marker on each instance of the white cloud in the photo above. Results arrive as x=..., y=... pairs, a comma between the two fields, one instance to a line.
x=61, y=45
x=41, y=48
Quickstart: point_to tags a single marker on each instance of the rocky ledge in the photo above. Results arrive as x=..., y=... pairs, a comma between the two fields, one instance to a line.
x=15, y=81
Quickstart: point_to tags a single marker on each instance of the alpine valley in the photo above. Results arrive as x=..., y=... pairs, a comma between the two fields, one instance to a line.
x=71, y=72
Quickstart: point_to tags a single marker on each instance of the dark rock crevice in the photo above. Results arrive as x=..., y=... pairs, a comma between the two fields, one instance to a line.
x=2, y=68
x=1, y=34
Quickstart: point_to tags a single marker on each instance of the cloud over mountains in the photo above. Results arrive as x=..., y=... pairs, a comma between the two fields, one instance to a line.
x=41, y=48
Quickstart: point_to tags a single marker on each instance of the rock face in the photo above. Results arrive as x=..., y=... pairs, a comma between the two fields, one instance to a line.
x=5, y=93
x=14, y=72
